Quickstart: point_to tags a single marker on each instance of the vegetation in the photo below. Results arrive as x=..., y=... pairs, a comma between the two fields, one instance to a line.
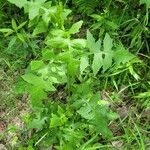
x=75, y=74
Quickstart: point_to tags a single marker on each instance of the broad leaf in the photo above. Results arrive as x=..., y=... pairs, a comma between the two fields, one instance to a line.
x=84, y=63
x=73, y=66
x=36, y=64
x=48, y=54
x=78, y=43
x=108, y=53
x=19, y=3
x=37, y=94
x=121, y=55
x=58, y=42
x=37, y=123
x=97, y=62
x=91, y=44
x=107, y=61
x=40, y=28
x=38, y=82
x=107, y=43
x=147, y=2
x=33, y=8
x=75, y=27
x=90, y=41
x=101, y=58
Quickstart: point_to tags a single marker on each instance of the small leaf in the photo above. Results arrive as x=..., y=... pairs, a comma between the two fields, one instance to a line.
x=103, y=103
x=21, y=37
x=14, y=25
x=12, y=42
x=6, y=30
x=135, y=75
x=57, y=120
x=75, y=27
x=21, y=25
x=84, y=63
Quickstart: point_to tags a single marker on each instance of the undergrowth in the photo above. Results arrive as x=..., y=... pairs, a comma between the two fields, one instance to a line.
x=80, y=69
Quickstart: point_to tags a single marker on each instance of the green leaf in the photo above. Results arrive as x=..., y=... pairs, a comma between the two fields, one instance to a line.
x=21, y=37
x=133, y=73
x=101, y=58
x=19, y=3
x=108, y=53
x=14, y=25
x=84, y=63
x=6, y=30
x=21, y=25
x=91, y=44
x=38, y=82
x=75, y=27
x=147, y=2
x=78, y=43
x=112, y=24
x=48, y=54
x=34, y=8
x=12, y=42
x=73, y=67
x=40, y=28
x=121, y=55
x=58, y=42
x=57, y=120
x=20, y=86
x=86, y=113
x=37, y=94
x=97, y=62
x=65, y=57
x=97, y=115
x=107, y=60
x=90, y=41
x=97, y=46
x=144, y=95
x=101, y=123
x=36, y=64
x=58, y=32
x=37, y=123
x=108, y=43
